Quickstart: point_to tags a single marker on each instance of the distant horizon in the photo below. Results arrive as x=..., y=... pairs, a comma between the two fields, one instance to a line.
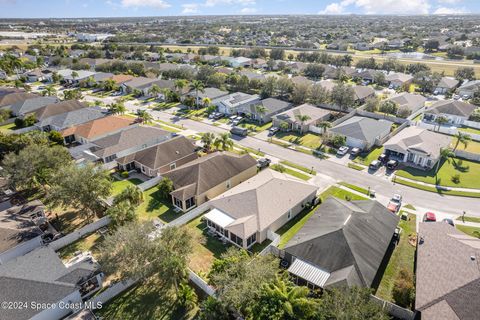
x=67, y=9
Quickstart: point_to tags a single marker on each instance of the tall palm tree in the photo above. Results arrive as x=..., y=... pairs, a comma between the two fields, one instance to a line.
x=224, y=141
x=198, y=86
x=303, y=118
x=208, y=139
x=445, y=154
x=179, y=85
x=324, y=125
x=144, y=116
x=49, y=91
x=206, y=102
x=462, y=138
x=154, y=91
x=440, y=121
x=131, y=193
x=261, y=110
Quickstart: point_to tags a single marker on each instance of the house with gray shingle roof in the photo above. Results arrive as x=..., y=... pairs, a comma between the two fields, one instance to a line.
x=469, y=88
x=409, y=101
x=292, y=117
x=230, y=104
x=30, y=105
x=445, y=85
x=342, y=244
x=362, y=132
x=264, y=110
x=69, y=119
x=456, y=112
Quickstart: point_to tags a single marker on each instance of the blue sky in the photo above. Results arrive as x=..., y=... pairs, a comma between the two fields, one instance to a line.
x=123, y=8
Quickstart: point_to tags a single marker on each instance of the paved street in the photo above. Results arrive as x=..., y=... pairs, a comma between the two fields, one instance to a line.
x=331, y=168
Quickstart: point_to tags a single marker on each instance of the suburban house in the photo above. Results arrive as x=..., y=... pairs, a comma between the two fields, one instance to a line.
x=96, y=129
x=301, y=80
x=362, y=93
x=362, y=132
x=121, y=144
x=456, y=112
x=441, y=250
x=68, y=119
x=211, y=93
x=30, y=105
x=292, y=117
x=236, y=62
x=57, y=108
x=121, y=78
x=41, y=277
x=10, y=97
x=21, y=228
x=209, y=176
x=35, y=75
x=469, y=88
x=409, y=101
x=67, y=76
x=398, y=79
x=417, y=147
x=233, y=102
x=367, y=75
x=328, y=85
x=342, y=244
x=264, y=110
x=252, y=211
x=160, y=158
x=137, y=83
x=445, y=85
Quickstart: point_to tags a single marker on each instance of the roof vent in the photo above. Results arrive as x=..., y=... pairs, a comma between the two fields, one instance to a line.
x=421, y=241
x=472, y=258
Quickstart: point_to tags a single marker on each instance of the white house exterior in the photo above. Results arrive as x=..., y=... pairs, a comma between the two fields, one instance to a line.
x=232, y=103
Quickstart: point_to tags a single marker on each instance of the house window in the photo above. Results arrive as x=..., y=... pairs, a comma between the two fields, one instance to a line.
x=289, y=214
x=110, y=158
x=228, y=184
x=177, y=203
x=143, y=169
x=173, y=166
x=236, y=239
x=252, y=239
x=411, y=157
x=429, y=163
x=190, y=203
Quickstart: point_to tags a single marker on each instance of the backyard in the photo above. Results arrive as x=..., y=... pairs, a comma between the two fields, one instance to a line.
x=468, y=173
x=309, y=140
x=154, y=206
x=88, y=243
x=472, y=146
x=402, y=258
x=119, y=185
x=469, y=130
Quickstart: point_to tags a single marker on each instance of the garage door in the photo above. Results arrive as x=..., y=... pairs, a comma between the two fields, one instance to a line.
x=355, y=143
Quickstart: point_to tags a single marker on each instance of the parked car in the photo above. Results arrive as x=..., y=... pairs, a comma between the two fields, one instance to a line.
x=449, y=221
x=392, y=164
x=383, y=158
x=395, y=203
x=375, y=165
x=237, y=120
x=397, y=233
x=239, y=131
x=273, y=130
x=429, y=217
x=263, y=163
x=342, y=151
x=355, y=151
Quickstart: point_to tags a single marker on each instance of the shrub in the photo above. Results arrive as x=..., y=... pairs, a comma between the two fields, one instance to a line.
x=403, y=289
x=456, y=178
x=124, y=174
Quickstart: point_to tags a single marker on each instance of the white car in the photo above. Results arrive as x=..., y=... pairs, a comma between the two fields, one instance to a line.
x=342, y=151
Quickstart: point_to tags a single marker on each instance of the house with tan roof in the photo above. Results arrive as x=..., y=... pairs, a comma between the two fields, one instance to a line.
x=445, y=85
x=417, y=147
x=121, y=78
x=209, y=176
x=398, y=79
x=447, y=277
x=96, y=129
x=11, y=97
x=409, y=101
x=292, y=118
x=160, y=158
x=250, y=212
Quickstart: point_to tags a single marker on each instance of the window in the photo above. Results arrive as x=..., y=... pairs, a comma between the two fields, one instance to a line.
x=236, y=239
x=252, y=239
x=173, y=166
x=228, y=184
x=110, y=158
x=190, y=203
x=177, y=203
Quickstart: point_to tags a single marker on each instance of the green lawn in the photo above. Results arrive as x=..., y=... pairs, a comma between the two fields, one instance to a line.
x=472, y=146
x=469, y=219
x=299, y=167
x=469, y=172
x=356, y=188
x=471, y=231
x=341, y=194
x=354, y=166
x=120, y=185
x=154, y=206
x=291, y=172
x=8, y=127
x=436, y=190
x=147, y=300
x=255, y=127
x=88, y=243
x=402, y=257
x=205, y=251
x=469, y=130
x=365, y=159
x=309, y=140
x=165, y=105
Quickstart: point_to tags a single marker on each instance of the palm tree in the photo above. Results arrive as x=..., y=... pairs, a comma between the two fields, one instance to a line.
x=154, y=91
x=303, y=118
x=347, y=59
x=223, y=141
x=180, y=84
x=16, y=64
x=208, y=138
x=186, y=296
x=445, y=153
x=198, y=86
x=462, y=138
x=261, y=110
x=144, y=116
x=117, y=108
x=440, y=120
x=324, y=125
x=131, y=193
x=49, y=91
x=206, y=102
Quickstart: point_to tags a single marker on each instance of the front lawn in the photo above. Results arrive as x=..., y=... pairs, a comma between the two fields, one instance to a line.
x=291, y=172
x=120, y=185
x=468, y=172
x=438, y=190
x=255, y=127
x=367, y=158
x=206, y=251
x=154, y=206
x=341, y=194
x=299, y=167
x=309, y=140
x=471, y=231
x=469, y=219
x=403, y=257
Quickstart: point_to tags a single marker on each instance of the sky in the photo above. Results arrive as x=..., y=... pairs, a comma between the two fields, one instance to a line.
x=133, y=8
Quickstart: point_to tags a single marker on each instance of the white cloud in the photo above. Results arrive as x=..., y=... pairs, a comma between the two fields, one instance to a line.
x=248, y=10
x=333, y=8
x=380, y=7
x=159, y=4
x=449, y=1
x=190, y=8
x=445, y=10
x=212, y=3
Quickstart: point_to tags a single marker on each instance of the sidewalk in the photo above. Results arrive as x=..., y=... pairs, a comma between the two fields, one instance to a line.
x=438, y=186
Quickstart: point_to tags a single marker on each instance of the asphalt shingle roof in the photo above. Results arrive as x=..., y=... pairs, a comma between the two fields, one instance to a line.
x=361, y=128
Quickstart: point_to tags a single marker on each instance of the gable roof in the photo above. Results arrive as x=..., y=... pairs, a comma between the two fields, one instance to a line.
x=346, y=239
x=398, y=76
x=204, y=173
x=362, y=128
x=470, y=85
x=58, y=108
x=72, y=118
x=162, y=154
x=98, y=127
x=439, y=290
x=291, y=115
x=258, y=202
x=121, y=78
x=418, y=140
x=237, y=99
x=447, y=82
x=12, y=97
x=452, y=107
x=410, y=101
x=361, y=92
x=139, y=82
x=271, y=105
x=32, y=104
x=210, y=92
x=126, y=139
